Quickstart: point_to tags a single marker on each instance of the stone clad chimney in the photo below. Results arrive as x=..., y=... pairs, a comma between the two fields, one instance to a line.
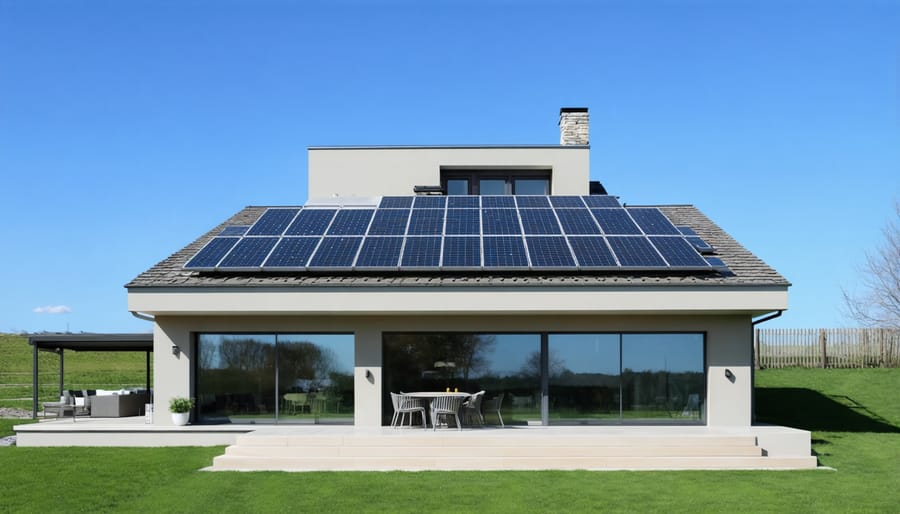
x=574, y=126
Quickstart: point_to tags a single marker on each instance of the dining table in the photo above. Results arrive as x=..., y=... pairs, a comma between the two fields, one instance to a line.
x=431, y=395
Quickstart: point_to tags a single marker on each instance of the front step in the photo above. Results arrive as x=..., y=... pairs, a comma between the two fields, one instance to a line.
x=497, y=451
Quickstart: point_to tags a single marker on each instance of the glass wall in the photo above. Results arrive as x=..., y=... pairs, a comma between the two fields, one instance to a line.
x=663, y=377
x=275, y=378
x=584, y=378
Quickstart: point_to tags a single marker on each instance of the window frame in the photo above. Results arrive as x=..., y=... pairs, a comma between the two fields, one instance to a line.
x=508, y=175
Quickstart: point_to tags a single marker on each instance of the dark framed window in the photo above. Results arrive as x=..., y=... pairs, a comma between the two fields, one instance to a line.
x=496, y=182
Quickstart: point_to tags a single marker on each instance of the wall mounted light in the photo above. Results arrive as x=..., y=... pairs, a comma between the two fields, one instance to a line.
x=369, y=375
x=729, y=375
x=175, y=350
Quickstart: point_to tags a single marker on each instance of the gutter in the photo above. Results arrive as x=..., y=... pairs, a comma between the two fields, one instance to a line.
x=142, y=316
x=757, y=321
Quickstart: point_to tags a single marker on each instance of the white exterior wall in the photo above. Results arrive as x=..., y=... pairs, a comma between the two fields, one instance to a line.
x=368, y=172
x=728, y=345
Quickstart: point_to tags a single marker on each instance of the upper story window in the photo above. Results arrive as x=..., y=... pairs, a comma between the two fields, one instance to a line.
x=496, y=182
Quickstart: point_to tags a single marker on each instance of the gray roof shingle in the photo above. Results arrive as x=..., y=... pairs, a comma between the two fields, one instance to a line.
x=748, y=269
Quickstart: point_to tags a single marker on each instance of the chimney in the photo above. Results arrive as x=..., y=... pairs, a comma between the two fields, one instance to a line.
x=573, y=126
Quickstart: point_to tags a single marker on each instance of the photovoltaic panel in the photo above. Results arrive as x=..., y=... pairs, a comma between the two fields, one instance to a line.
x=678, y=252
x=272, y=222
x=426, y=222
x=234, y=230
x=350, y=222
x=687, y=231
x=701, y=245
x=463, y=222
x=720, y=266
x=504, y=252
x=335, y=252
x=430, y=202
x=497, y=202
x=500, y=222
x=577, y=221
x=212, y=253
x=592, y=252
x=463, y=202
x=549, y=252
x=380, y=252
x=292, y=252
x=310, y=222
x=532, y=202
x=601, y=201
x=251, y=252
x=615, y=221
x=567, y=202
x=421, y=252
x=462, y=252
x=635, y=251
x=653, y=222
x=389, y=222
x=539, y=221
x=396, y=202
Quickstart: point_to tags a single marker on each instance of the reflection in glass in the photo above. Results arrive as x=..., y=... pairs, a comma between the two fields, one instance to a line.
x=507, y=364
x=236, y=378
x=491, y=186
x=532, y=186
x=458, y=186
x=315, y=378
x=663, y=377
x=584, y=378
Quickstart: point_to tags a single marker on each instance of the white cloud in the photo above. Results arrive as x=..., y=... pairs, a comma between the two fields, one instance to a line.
x=53, y=309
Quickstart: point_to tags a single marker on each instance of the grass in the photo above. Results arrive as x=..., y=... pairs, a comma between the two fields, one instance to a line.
x=854, y=415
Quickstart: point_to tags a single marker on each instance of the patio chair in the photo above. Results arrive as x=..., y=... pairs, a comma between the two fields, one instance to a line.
x=493, y=405
x=404, y=405
x=472, y=409
x=445, y=406
x=295, y=402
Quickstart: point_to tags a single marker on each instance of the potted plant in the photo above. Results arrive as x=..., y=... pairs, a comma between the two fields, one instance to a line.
x=180, y=407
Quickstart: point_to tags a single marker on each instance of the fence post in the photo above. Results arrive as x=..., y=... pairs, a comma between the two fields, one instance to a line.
x=822, y=346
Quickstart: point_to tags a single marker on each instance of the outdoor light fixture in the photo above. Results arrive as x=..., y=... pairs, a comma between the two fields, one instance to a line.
x=369, y=374
x=175, y=350
x=729, y=375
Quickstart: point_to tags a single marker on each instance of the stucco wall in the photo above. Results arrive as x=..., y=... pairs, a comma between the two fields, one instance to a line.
x=728, y=345
x=367, y=172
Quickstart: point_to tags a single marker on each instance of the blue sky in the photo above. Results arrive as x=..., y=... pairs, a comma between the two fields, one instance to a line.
x=128, y=129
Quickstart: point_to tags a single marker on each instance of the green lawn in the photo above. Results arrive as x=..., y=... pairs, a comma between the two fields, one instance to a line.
x=854, y=414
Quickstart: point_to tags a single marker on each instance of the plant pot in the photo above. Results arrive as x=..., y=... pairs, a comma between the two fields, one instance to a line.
x=181, y=418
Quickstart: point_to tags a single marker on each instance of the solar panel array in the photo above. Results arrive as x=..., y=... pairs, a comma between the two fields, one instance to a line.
x=459, y=233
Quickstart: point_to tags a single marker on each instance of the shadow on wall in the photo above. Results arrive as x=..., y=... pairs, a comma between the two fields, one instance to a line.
x=811, y=410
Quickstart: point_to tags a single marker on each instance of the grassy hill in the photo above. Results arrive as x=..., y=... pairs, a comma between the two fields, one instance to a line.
x=84, y=370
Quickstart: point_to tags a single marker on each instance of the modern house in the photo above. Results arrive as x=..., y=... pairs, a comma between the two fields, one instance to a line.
x=444, y=268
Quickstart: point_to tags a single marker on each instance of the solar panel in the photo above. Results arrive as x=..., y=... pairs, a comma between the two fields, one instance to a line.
x=577, y=221
x=335, y=252
x=567, y=202
x=249, y=253
x=380, y=252
x=421, y=252
x=463, y=222
x=234, y=230
x=615, y=221
x=463, y=202
x=272, y=222
x=653, y=222
x=532, y=202
x=462, y=252
x=720, y=266
x=549, y=252
x=500, y=222
x=601, y=201
x=701, y=245
x=430, y=202
x=292, y=252
x=350, y=222
x=389, y=222
x=592, y=252
x=504, y=252
x=636, y=252
x=678, y=252
x=426, y=222
x=212, y=253
x=687, y=231
x=310, y=222
x=539, y=221
x=497, y=202
x=396, y=202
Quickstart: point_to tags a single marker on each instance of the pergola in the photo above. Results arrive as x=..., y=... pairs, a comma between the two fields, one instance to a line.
x=59, y=343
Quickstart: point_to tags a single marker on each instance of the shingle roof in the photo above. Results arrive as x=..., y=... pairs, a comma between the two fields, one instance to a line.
x=748, y=269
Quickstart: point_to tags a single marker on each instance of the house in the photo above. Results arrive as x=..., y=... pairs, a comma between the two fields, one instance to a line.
x=495, y=268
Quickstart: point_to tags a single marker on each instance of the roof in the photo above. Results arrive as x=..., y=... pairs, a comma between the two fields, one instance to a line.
x=93, y=342
x=748, y=270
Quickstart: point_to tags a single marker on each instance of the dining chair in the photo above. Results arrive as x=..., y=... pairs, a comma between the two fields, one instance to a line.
x=445, y=406
x=472, y=409
x=493, y=405
x=404, y=405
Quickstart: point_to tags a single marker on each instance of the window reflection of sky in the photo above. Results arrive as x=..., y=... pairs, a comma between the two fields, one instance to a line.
x=668, y=352
x=585, y=353
x=510, y=353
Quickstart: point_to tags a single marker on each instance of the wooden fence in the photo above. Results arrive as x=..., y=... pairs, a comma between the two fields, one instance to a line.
x=827, y=348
